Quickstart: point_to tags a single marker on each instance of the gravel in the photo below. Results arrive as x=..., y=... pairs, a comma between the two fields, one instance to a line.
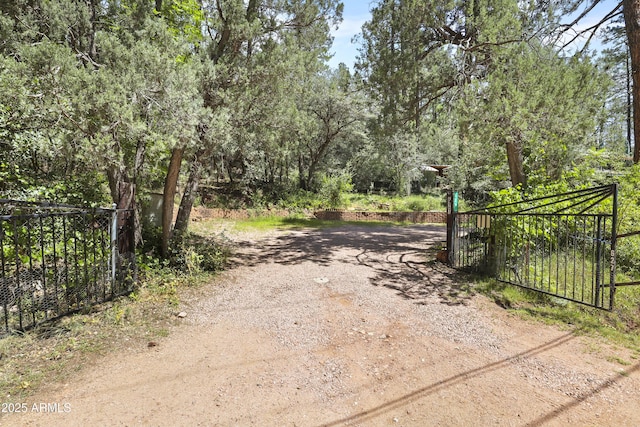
x=342, y=286
x=355, y=326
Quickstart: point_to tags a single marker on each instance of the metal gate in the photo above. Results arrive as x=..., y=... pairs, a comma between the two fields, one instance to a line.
x=58, y=259
x=562, y=245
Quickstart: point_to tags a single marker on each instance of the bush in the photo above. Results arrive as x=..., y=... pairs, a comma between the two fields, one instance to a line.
x=628, y=248
x=192, y=254
x=334, y=188
x=420, y=204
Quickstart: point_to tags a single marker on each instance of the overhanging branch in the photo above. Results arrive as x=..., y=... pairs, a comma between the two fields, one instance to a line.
x=591, y=29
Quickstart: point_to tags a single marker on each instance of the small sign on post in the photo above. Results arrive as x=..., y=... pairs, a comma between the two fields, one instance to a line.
x=452, y=209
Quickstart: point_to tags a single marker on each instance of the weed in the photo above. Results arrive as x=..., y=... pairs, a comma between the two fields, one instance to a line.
x=618, y=360
x=614, y=326
x=54, y=351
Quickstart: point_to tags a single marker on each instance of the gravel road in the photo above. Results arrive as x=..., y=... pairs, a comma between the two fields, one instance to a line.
x=358, y=326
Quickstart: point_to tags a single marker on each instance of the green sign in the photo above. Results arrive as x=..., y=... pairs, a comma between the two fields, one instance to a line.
x=455, y=201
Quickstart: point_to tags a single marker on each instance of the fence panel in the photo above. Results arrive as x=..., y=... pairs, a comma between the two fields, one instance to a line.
x=562, y=245
x=58, y=259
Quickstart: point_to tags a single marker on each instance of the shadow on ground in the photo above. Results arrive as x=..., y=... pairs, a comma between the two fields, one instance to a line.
x=401, y=258
x=461, y=377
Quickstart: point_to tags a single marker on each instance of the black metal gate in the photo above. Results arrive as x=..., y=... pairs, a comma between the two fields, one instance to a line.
x=58, y=259
x=562, y=245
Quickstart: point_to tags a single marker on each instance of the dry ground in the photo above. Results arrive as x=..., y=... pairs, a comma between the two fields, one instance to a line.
x=349, y=326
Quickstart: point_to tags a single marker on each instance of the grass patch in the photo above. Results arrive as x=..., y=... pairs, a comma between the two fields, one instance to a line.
x=267, y=223
x=220, y=227
x=619, y=326
x=415, y=203
x=285, y=223
x=301, y=201
x=55, y=351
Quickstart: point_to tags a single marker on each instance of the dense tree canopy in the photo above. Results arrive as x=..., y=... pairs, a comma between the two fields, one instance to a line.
x=106, y=101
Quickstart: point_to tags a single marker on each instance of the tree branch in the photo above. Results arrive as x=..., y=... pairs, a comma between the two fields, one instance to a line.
x=582, y=15
x=612, y=14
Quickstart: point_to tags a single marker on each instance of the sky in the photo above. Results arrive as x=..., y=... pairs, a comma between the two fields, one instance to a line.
x=356, y=13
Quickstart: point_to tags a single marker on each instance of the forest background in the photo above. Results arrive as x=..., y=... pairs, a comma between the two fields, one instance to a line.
x=106, y=101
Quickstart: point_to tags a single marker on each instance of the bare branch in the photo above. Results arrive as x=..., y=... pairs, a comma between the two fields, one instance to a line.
x=582, y=15
x=87, y=58
x=592, y=29
x=440, y=91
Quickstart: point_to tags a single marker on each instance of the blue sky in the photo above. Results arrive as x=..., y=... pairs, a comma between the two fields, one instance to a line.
x=356, y=13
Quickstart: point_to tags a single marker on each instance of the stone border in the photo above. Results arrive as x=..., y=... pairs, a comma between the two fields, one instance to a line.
x=201, y=213
x=413, y=217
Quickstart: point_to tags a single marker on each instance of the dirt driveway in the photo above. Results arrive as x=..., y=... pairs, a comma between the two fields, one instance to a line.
x=350, y=326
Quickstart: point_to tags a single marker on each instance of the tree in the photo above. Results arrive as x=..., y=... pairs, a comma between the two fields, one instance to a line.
x=541, y=107
x=418, y=54
x=240, y=37
x=494, y=62
x=630, y=11
x=44, y=160
x=115, y=96
x=332, y=115
x=615, y=130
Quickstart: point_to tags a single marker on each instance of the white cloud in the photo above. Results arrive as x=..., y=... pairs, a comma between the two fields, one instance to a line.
x=343, y=49
x=349, y=27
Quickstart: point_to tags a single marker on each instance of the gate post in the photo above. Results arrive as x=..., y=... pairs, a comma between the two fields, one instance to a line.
x=113, y=233
x=452, y=208
x=614, y=238
x=599, y=256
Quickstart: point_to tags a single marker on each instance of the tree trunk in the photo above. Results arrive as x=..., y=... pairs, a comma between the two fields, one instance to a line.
x=631, y=10
x=127, y=200
x=514, y=158
x=123, y=194
x=93, y=51
x=189, y=196
x=114, y=176
x=302, y=182
x=168, y=197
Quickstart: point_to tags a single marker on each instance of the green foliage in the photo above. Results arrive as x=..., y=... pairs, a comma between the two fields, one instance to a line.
x=334, y=188
x=620, y=325
x=193, y=254
x=628, y=248
x=420, y=204
x=300, y=200
x=465, y=105
x=184, y=17
x=84, y=189
x=95, y=103
x=542, y=104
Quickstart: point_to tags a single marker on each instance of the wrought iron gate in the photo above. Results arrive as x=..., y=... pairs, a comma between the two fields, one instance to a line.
x=58, y=259
x=562, y=245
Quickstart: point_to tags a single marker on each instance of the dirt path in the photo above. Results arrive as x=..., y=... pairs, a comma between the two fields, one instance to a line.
x=350, y=326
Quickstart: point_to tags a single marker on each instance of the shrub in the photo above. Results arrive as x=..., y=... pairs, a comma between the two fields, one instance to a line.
x=628, y=248
x=334, y=187
x=421, y=204
x=192, y=254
